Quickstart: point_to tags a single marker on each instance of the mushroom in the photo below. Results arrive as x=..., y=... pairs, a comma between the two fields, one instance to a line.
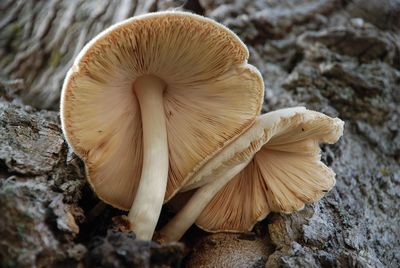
x=149, y=100
x=273, y=166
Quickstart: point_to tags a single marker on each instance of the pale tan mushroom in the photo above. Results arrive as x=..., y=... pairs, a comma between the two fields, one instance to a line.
x=153, y=97
x=274, y=166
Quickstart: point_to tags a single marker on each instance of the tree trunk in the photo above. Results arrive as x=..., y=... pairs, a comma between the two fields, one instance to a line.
x=339, y=57
x=41, y=38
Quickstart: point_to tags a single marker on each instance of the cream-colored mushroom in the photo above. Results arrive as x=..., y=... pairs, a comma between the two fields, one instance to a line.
x=153, y=97
x=274, y=166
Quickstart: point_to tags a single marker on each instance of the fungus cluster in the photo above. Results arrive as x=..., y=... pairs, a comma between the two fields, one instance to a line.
x=165, y=103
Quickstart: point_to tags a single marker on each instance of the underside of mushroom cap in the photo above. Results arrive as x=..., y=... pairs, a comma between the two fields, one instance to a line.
x=243, y=148
x=284, y=174
x=212, y=95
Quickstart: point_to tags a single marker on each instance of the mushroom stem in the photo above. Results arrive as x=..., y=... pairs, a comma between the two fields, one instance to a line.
x=149, y=198
x=174, y=229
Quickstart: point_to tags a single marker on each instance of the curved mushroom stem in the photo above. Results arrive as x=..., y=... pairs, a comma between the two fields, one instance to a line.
x=182, y=221
x=149, y=198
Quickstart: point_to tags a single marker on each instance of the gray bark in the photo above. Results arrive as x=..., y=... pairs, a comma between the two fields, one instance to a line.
x=40, y=38
x=338, y=57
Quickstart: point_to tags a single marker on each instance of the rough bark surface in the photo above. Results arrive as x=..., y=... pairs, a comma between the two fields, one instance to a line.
x=339, y=57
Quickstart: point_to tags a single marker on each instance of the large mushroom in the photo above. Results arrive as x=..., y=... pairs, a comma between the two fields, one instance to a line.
x=273, y=166
x=155, y=97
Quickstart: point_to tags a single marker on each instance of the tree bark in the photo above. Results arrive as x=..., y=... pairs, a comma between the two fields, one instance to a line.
x=41, y=38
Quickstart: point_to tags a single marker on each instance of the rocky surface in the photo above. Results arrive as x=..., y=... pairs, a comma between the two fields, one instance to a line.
x=339, y=57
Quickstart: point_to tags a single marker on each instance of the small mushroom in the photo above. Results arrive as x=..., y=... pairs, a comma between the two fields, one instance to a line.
x=274, y=166
x=155, y=97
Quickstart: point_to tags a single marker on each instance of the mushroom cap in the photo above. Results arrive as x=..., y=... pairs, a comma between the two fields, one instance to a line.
x=285, y=171
x=212, y=95
x=242, y=149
